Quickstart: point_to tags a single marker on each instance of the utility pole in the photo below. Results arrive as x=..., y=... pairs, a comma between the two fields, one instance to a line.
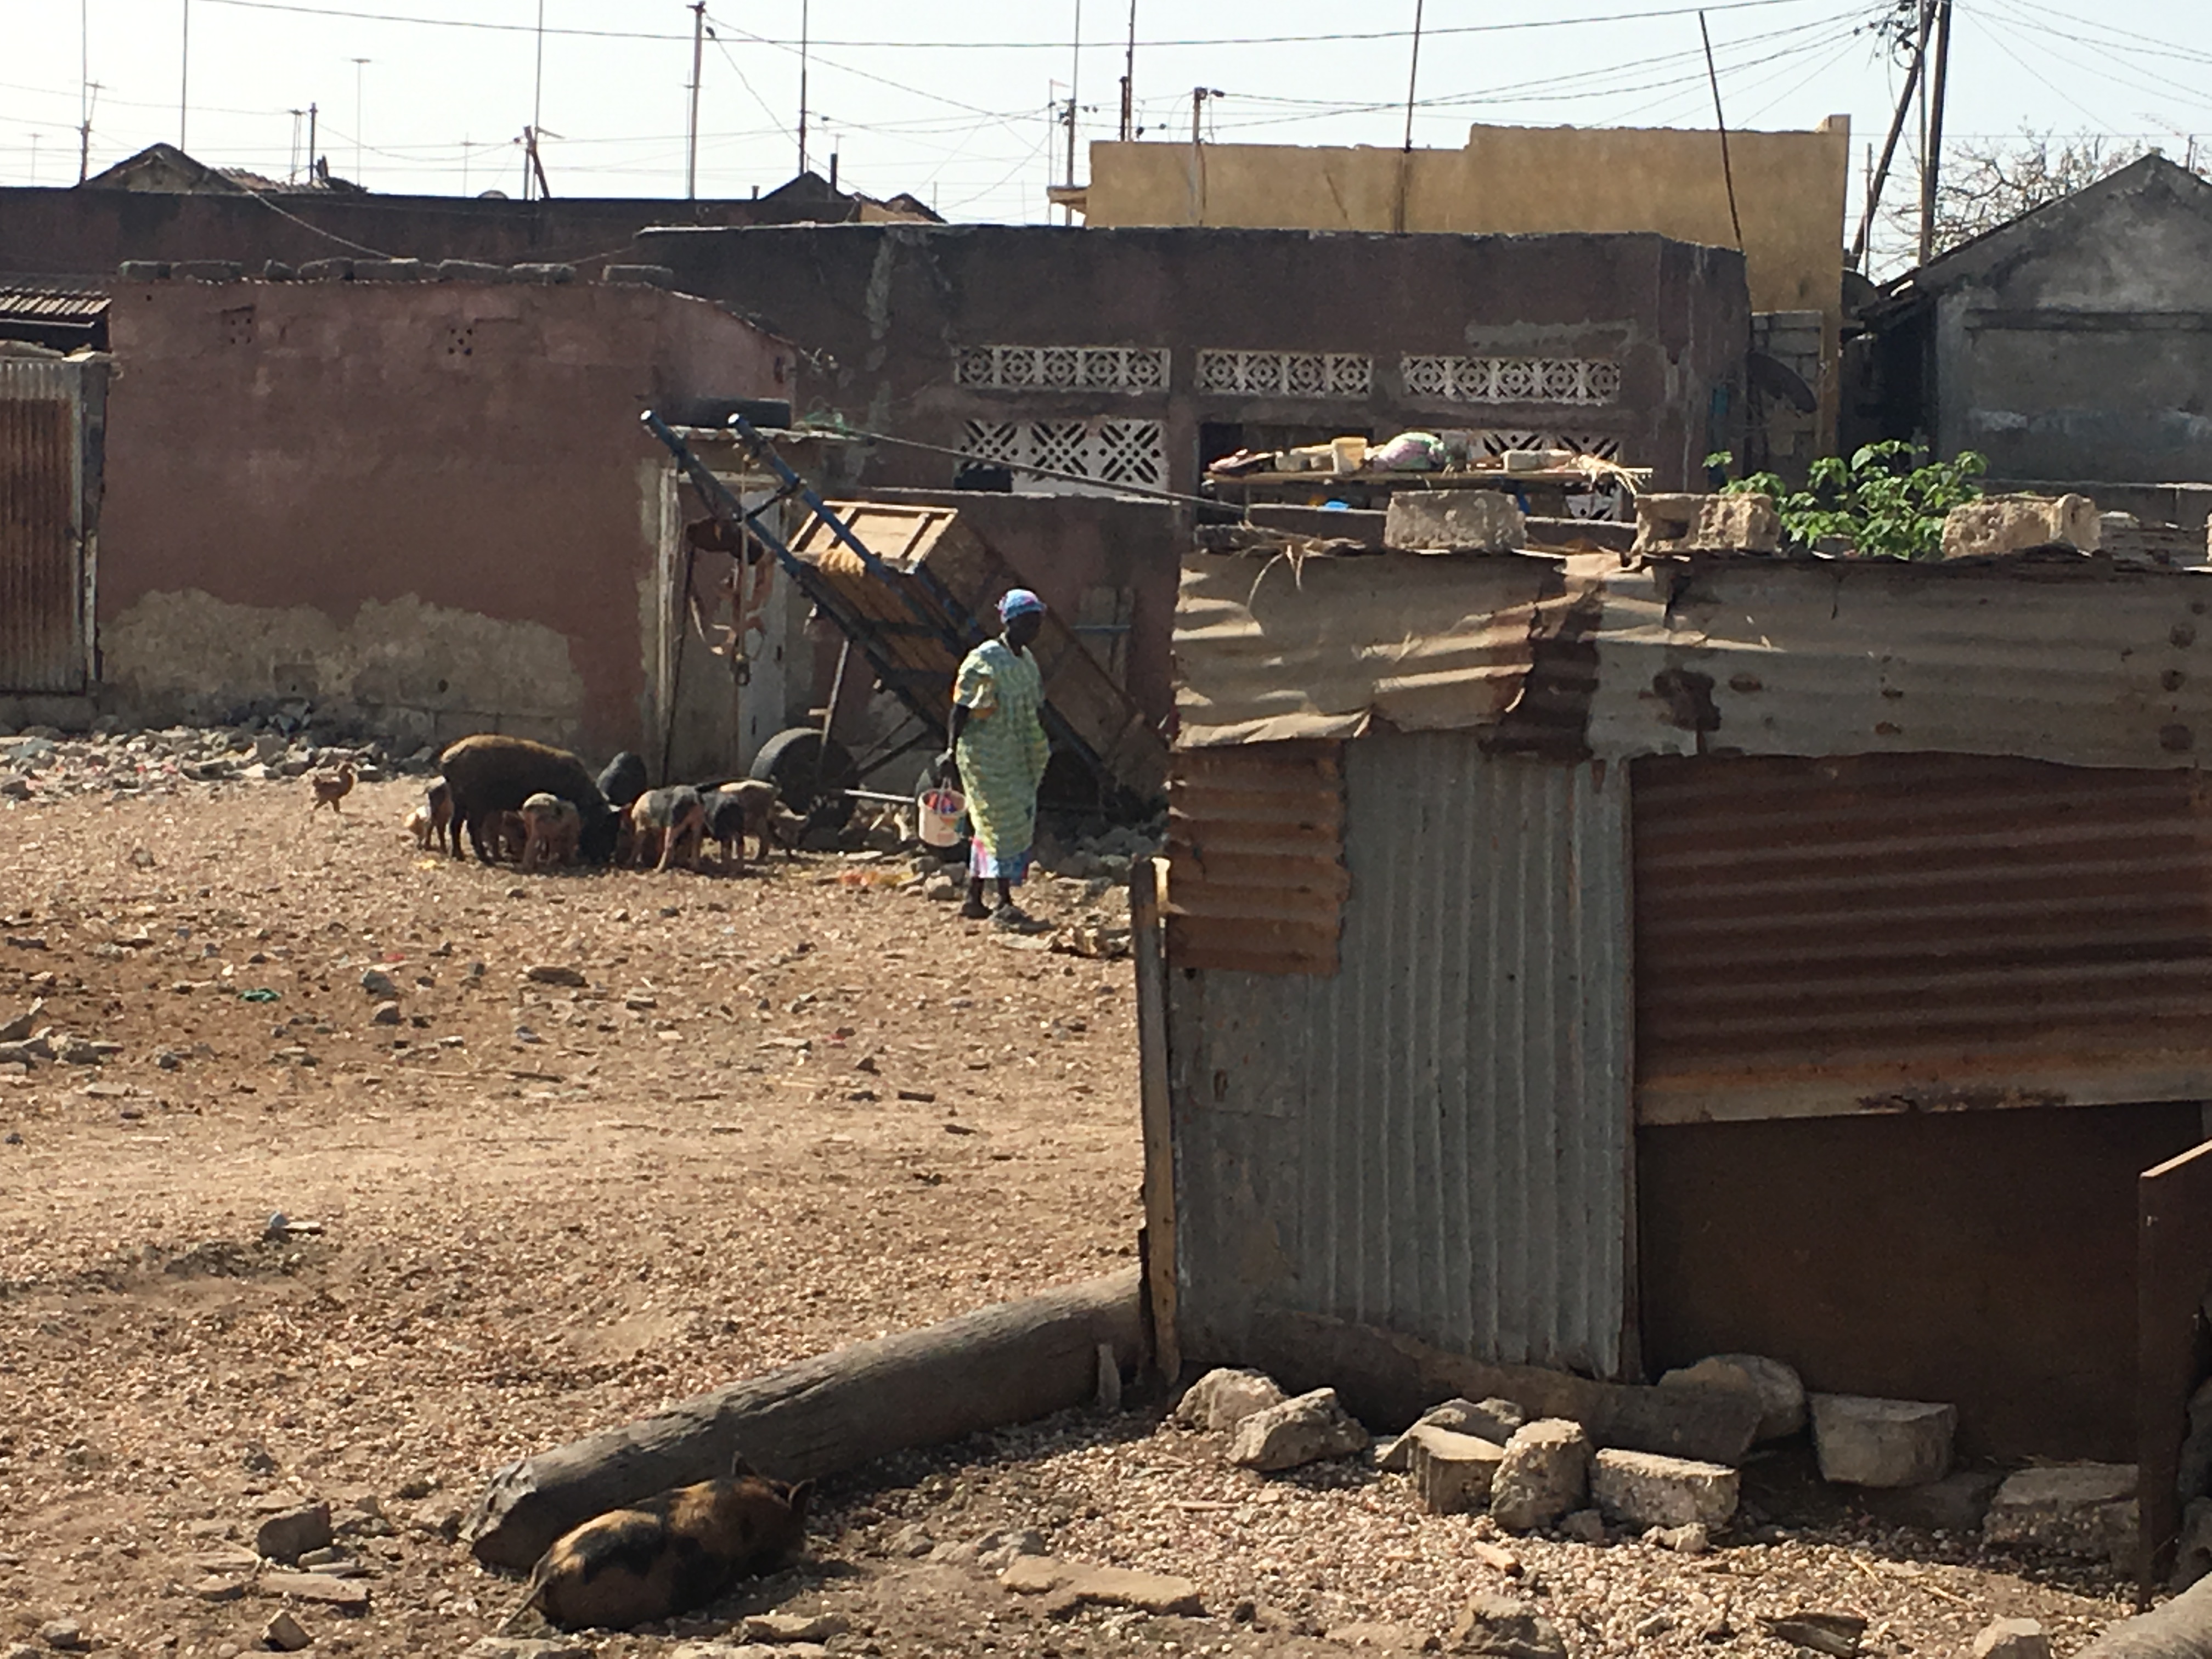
x=1198, y=97
x=1129, y=81
x=1414, y=76
x=312, y=169
x=537, y=84
x=1881, y=174
x=183, y=74
x=803, y=36
x=698, y=60
x=1931, y=169
x=359, y=65
x=84, y=133
x=1074, y=81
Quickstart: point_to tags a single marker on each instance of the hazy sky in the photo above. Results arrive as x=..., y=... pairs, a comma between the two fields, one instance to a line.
x=950, y=100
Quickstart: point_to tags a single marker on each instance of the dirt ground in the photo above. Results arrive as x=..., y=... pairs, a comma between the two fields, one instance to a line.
x=788, y=1110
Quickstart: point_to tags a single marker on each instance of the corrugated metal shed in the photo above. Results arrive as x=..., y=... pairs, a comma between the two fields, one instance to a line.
x=43, y=601
x=2080, y=660
x=1436, y=1138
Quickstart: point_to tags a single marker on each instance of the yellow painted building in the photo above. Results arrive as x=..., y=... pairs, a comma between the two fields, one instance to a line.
x=1790, y=196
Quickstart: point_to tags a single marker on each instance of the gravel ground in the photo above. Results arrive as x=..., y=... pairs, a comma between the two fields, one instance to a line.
x=788, y=1110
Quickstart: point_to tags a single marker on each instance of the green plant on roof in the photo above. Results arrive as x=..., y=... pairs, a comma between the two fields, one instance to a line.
x=1888, y=501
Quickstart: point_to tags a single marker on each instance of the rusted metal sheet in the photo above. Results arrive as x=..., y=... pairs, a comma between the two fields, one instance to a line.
x=59, y=318
x=1256, y=850
x=2173, y=1274
x=1917, y=933
x=2081, y=661
x=42, y=574
x=1320, y=647
x=1436, y=1139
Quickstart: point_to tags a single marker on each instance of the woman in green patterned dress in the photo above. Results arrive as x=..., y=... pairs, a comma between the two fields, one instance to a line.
x=996, y=735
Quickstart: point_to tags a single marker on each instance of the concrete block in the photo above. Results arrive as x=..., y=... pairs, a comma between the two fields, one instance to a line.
x=1225, y=1397
x=1544, y=1474
x=1493, y=1421
x=1644, y=1489
x=650, y=275
x=1452, y=1473
x=1864, y=1441
x=1453, y=521
x=2011, y=1638
x=142, y=271
x=276, y=270
x=207, y=270
x=1707, y=524
x=543, y=273
x=471, y=270
x=1304, y=1430
x=326, y=270
x=2086, y=1510
x=1780, y=1391
x=391, y=270
x=2013, y=524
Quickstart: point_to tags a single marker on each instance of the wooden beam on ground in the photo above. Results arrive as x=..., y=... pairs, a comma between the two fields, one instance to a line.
x=1006, y=1363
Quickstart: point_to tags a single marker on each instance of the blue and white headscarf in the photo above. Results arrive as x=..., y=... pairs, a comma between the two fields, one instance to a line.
x=1019, y=602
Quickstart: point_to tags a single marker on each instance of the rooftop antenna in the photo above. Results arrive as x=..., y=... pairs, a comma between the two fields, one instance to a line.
x=184, y=73
x=1413, y=76
x=292, y=169
x=802, y=85
x=698, y=60
x=359, y=65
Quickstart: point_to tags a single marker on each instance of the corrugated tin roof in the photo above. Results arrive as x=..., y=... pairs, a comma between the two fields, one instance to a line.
x=2080, y=661
x=51, y=305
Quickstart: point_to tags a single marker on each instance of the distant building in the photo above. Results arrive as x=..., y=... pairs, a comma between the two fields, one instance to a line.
x=1119, y=358
x=1787, y=188
x=2073, y=344
x=163, y=204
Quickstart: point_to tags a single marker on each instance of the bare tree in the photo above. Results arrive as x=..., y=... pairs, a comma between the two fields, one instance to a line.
x=1987, y=184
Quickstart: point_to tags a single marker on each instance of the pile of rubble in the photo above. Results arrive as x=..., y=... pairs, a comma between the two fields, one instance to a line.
x=42, y=763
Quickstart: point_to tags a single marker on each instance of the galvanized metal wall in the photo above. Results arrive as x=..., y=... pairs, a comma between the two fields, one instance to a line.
x=1911, y=932
x=42, y=573
x=1435, y=1139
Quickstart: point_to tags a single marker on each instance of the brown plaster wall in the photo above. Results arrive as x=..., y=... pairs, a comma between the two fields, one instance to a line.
x=429, y=507
x=1984, y=1258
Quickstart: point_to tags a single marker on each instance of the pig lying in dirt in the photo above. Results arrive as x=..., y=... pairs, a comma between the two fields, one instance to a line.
x=667, y=1554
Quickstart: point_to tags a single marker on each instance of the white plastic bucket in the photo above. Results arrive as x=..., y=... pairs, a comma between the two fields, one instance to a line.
x=940, y=810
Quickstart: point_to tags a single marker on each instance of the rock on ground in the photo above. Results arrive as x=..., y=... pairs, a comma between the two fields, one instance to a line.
x=1644, y=1489
x=1504, y=1628
x=1781, y=1392
x=289, y=1536
x=1544, y=1473
x=1864, y=1441
x=1305, y=1430
x=1072, y=1583
x=1493, y=1421
x=285, y=1634
x=523, y=1647
x=2077, y=1509
x=1225, y=1397
x=2011, y=1638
